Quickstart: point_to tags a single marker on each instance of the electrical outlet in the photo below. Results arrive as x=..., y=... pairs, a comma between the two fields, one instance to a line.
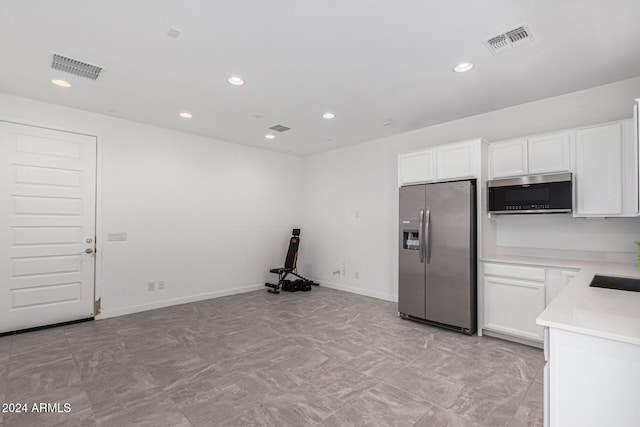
x=344, y=269
x=357, y=275
x=161, y=284
x=151, y=286
x=116, y=236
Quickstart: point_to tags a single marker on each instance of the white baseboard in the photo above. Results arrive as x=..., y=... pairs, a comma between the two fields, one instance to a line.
x=359, y=291
x=508, y=337
x=176, y=301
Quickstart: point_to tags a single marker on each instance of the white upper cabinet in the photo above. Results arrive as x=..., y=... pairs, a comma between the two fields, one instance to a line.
x=457, y=161
x=599, y=171
x=508, y=158
x=445, y=162
x=416, y=167
x=549, y=153
x=604, y=160
x=531, y=156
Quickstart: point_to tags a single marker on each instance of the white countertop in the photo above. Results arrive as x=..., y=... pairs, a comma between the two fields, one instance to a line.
x=605, y=313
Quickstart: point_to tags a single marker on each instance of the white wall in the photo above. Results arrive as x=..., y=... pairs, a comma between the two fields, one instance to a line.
x=207, y=217
x=210, y=217
x=364, y=178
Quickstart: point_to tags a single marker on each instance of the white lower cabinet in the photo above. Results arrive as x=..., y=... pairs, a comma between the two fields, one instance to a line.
x=511, y=304
x=592, y=381
x=515, y=295
x=557, y=279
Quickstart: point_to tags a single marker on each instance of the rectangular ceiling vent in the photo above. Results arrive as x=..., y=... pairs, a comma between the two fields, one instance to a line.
x=509, y=40
x=279, y=128
x=75, y=67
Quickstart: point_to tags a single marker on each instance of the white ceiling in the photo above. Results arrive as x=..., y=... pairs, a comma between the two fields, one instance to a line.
x=370, y=62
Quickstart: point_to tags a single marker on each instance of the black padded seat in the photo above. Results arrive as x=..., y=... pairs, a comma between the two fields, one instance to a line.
x=281, y=270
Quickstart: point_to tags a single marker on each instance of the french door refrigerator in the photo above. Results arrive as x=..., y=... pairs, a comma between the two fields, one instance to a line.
x=437, y=265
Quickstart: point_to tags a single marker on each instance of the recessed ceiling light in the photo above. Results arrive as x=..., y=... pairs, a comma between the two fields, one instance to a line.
x=235, y=80
x=269, y=136
x=328, y=115
x=60, y=83
x=185, y=115
x=463, y=67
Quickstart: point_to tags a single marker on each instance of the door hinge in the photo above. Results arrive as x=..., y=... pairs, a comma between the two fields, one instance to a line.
x=96, y=306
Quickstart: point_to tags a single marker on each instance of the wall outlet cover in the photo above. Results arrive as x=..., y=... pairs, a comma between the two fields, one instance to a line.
x=118, y=236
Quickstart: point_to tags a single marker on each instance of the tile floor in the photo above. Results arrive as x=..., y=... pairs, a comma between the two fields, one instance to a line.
x=324, y=357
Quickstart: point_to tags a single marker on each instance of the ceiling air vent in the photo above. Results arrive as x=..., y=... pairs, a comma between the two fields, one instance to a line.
x=75, y=67
x=279, y=128
x=509, y=40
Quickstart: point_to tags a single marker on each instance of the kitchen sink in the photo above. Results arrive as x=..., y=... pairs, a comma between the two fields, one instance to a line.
x=612, y=282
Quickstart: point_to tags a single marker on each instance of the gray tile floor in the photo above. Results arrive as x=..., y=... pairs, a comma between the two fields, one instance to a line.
x=324, y=357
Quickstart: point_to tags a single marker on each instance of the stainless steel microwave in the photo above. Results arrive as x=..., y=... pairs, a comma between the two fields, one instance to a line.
x=550, y=193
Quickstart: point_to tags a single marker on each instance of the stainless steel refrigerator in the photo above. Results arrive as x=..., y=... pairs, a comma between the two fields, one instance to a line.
x=437, y=277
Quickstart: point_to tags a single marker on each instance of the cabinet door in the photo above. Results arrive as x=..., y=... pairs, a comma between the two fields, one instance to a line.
x=630, y=167
x=416, y=167
x=455, y=161
x=549, y=153
x=508, y=158
x=599, y=172
x=512, y=306
x=557, y=279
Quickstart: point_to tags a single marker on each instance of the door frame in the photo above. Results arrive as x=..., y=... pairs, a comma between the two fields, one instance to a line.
x=97, y=272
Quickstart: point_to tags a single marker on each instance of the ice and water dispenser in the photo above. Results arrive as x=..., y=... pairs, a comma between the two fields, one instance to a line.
x=410, y=235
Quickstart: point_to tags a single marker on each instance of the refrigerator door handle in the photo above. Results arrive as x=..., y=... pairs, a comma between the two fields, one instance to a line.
x=427, y=237
x=420, y=234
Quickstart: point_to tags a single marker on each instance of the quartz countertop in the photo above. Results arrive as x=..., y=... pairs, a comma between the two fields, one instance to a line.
x=599, y=312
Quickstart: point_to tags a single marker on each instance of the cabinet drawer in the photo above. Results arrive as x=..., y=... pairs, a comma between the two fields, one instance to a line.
x=516, y=271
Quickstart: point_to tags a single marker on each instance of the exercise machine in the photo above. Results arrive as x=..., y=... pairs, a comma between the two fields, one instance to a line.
x=302, y=284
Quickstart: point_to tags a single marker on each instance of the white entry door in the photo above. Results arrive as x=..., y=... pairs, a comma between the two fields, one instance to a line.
x=47, y=226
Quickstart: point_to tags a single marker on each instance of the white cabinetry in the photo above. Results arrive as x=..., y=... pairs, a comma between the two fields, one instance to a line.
x=557, y=279
x=592, y=381
x=514, y=296
x=605, y=159
x=606, y=171
x=508, y=158
x=416, y=167
x=457, y=161
x=446, y=162
x=531, y=155
x=599, y=170
x=549, y=153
